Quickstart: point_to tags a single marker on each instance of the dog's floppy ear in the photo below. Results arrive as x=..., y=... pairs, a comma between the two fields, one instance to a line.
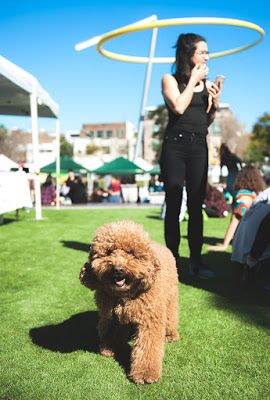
x=87, y=277
x=152, y=271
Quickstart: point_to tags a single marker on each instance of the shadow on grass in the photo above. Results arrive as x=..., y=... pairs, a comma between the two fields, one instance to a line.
x=79, y=332
x=251, y=305
x=154, y=217
x=72, y=244
x=7, y=221
x=211, y=241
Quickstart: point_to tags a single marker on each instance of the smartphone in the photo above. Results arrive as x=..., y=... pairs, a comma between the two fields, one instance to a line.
x=219, y=80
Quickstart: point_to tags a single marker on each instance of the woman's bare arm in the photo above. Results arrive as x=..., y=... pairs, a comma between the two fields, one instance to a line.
x=228, y=235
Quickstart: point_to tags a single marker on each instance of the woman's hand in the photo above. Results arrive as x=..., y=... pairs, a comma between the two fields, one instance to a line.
x=214, y=92
x=199, y=72
x=219, y=247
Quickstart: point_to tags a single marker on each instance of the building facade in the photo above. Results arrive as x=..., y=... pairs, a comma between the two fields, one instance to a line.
x=106, y=140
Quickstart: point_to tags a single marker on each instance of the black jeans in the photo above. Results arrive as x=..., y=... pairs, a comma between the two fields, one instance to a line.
x=184, y=161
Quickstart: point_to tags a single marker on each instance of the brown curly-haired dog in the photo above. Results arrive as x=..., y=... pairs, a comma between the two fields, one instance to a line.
x=136, y=285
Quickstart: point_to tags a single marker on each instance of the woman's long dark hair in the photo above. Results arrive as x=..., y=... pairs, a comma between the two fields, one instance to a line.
x=48, y=181
x=185, y=48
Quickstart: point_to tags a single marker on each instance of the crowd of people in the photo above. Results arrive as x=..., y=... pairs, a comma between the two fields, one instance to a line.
x=74, y=191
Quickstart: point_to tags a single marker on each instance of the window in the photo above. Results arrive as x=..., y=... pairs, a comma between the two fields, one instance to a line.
x=100, y=134
x=108, y=134
x=120, y=133
x=91, y=134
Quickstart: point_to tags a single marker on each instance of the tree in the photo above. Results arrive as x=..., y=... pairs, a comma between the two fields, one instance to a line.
x=160, y=118
x=92, y=149
x=259, y=146
x=66, y=149
x=3, y=139
x=11, y=144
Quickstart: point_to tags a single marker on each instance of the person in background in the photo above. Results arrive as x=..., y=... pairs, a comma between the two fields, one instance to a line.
x=191, y=101
x=215, y=204
x=48, y=193
x=71, y=177
x=233, y=164
x=77, y=191
x=97, y=194
x=114, y=191
x=248, y=184
x=251, y=244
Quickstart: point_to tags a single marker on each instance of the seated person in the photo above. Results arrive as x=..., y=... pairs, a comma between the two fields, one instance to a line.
x=215, y=204
x=251, y=243
x=248, y=184
x=97, y=195
x=48, y=193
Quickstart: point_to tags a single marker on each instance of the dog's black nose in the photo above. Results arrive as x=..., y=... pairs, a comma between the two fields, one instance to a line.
x=118, y=270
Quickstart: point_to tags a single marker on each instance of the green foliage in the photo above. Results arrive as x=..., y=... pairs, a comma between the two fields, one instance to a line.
x=48, y=319
x=66, y=149
x=160, y=117
x=3, y=131
x=3, y=138
x=259, y=146
x=91, y=149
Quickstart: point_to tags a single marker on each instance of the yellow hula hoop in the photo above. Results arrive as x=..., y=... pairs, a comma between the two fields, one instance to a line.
x=174, y=22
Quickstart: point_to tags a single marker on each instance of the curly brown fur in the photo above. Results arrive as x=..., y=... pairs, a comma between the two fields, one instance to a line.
x=136, y=285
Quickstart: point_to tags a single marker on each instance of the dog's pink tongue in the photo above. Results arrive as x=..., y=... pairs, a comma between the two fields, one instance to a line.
x=120, y=283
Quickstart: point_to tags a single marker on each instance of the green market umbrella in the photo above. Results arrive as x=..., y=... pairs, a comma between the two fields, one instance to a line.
x=66, y=163
x=119, y=166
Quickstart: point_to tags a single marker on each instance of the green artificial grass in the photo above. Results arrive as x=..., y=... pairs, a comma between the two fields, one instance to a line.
x=49, y=345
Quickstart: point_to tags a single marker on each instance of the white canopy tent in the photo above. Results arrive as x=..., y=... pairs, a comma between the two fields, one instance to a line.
x=6, y=164
x=22, y=95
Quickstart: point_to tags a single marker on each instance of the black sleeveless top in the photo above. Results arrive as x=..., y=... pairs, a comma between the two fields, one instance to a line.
x=194, y=119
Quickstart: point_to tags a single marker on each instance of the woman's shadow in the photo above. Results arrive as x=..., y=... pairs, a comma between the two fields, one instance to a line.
x=79, y=332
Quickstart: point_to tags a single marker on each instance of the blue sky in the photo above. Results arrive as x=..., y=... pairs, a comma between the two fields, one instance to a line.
x=40, y=36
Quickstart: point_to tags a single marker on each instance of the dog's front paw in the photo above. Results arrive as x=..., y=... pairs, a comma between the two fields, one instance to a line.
x=84, y=273
x=86, y=276
x=172, y=337
x=104, y=351
x=142, y=377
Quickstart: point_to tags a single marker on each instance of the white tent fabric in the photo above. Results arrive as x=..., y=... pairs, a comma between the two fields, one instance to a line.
x=14, y=191
x=143, y=164
x=6, y=163
x=16, y=85
x=21, y=94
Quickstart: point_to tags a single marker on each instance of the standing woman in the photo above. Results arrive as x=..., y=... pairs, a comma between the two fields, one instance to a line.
x=191, y=101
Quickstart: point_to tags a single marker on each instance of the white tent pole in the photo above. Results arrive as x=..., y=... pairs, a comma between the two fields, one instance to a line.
x=138, y=148
x=95, y=39
x=57, y=163
x=34, y=119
